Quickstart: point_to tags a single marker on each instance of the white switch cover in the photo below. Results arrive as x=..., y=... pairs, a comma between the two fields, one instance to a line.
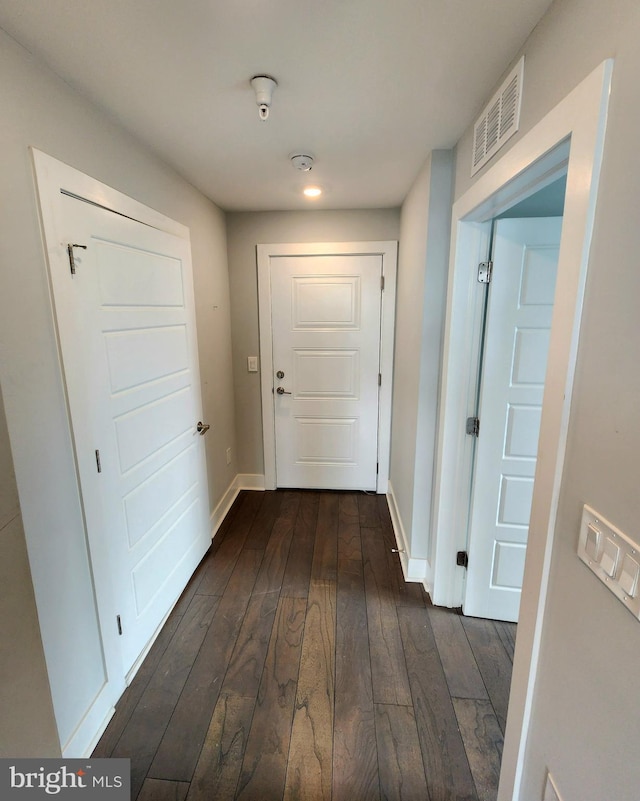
x=612, y=556
x=629, y=575
x=252, y=364
x=593, y=545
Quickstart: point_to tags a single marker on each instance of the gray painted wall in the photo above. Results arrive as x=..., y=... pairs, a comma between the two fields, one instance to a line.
x=42, y=111
x=422, y=282
x=586, y=712
x=244, y=232
x=27, y=725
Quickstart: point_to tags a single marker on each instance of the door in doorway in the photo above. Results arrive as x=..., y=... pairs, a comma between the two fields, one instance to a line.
x=126, y=325
x=326, y=314
x=514, y=361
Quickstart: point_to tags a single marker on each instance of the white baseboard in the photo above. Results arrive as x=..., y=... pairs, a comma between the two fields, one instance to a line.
x=242, y=481
x=413, y=569
x=250, y=481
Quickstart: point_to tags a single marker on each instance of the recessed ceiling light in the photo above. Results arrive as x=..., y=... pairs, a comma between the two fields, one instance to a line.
x=312, y=191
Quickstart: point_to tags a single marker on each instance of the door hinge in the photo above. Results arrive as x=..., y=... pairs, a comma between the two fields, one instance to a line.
x=382, y=283
x=98, y=462
x=377, y=468
x=379, y=379
x=485, y=270
x=72, y=261
x=462, y=559
x=119, y=622
x=473, y=426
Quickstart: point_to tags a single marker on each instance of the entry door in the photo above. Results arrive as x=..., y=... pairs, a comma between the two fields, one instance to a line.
x=326, y=360
x=127, y=336
x=520, y=306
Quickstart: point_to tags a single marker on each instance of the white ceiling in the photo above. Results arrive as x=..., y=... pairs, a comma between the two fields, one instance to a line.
x=369, y=87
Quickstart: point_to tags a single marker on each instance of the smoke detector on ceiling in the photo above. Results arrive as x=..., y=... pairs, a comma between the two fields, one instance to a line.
x=302, y=161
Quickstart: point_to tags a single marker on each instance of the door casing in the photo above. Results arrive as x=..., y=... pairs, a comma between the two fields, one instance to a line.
x=90, y=587
x=570, y=137
x=388, y=250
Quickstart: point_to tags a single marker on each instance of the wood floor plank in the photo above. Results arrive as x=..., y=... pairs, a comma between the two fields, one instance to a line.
x=349, y=542
x=402, y=775
x=160, y=790
x=218, y=768
x=130, y=698
x=264, y=765
x=181, y=744
x=295, y=583
x=147, y=724
x=493, y=661
x=368, y=509
x=221, y=567
x=445, y=761
x=355, y=757
x=388, y=668
x=248, y=657
x=483, y=743
x=325, y=553
x=277, y=548
x=507, y=633
x=264, y=520
x=460, y=668
x=309, y=773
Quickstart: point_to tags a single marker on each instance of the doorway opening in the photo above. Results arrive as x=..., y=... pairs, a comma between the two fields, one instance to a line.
x=568, y=139
x=518, y=289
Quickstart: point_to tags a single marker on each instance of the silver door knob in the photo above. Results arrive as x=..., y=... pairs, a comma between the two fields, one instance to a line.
x=202, y=428
x=282, y=391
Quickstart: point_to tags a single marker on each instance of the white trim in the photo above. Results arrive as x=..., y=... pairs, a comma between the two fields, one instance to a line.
x=242, y=481
x=250, y=481
x=222, y=507
x=57, y=174
x=89, y=742
x=389, y=252
x=582, y=117
x=413, y=569
x=54, y=177
x=91, y=727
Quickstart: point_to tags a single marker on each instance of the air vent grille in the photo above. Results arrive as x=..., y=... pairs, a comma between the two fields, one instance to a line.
x=499, y=120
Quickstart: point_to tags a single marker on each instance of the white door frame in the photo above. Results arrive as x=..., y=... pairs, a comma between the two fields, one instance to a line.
x=52, y=178
x=571, y=135
x=389, y=253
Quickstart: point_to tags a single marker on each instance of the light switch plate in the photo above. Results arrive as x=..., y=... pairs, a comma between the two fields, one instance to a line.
x=612, y=556
x=252, y=364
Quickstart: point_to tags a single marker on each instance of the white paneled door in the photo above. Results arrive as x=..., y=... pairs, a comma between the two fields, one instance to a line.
x=519, y=311
x=127, y=334
x=326, y=313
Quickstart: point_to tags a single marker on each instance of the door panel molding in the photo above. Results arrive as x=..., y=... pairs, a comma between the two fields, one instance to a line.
x=88, y=598
x=388, y=250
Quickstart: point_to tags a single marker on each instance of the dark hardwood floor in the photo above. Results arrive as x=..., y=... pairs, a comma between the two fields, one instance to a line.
x=298, y=664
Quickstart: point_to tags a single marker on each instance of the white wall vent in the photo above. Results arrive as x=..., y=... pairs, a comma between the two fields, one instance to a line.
x=500, y=119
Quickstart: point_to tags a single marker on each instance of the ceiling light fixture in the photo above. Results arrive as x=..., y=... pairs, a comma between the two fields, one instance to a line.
x=263, y=86
x=312, y=191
